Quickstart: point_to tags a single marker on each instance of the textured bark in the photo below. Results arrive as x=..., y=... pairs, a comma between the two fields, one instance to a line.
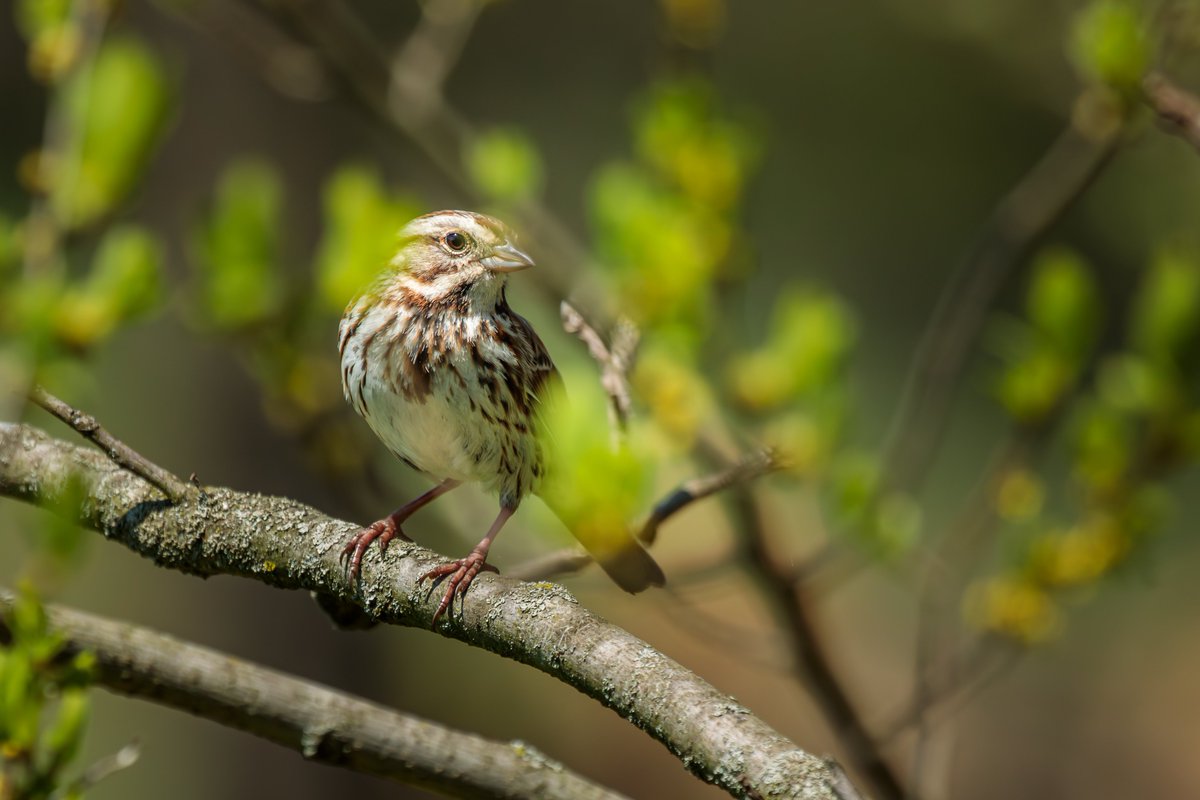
x=292, y=546
x=322, y=724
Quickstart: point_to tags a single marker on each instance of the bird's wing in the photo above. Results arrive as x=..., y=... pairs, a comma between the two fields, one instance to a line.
x=545, y=381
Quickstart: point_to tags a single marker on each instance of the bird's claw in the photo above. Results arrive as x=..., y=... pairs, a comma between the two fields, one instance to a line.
x=384, y=530
x=461, y=572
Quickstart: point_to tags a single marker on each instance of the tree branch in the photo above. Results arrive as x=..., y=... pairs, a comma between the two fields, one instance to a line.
x=749, y=469
x=811, y=661
x=289, y=545
x=572, y=559
x=1177, y=109
x=122, y=454
x=614, y=361
x=1024, y=215
x=324, y=725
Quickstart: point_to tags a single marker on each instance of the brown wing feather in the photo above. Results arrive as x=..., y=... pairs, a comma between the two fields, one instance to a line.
x=545, y=380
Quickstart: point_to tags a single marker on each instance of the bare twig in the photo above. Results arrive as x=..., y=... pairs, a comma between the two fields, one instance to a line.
x=614, y=360
x=810, y=659
x=420, y=67
x=289, y=545
x=404, y=93
x=566, y=561
x=289, y=66
x=745, y=471
x=1178, y=110
x=1019, y=222
x=124, y=758
x=323, y=724
x=122, y=454
x=572, y=559
x=957, y=682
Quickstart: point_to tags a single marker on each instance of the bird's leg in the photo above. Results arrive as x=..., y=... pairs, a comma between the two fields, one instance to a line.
x=388, y=528
x=464, y=570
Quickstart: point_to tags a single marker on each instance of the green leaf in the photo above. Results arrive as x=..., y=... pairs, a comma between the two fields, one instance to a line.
x=854, y=486
x=812, y=332
x=1103, y=443
x=1063, y=302
x=1031, y=386
x=34, y=17
x=54, y=37
x=663, y=252
x=115, y=112
x=1109, y=44
x=579, y=449
x=127, y=269
x=237, y=248
x=1134, y=385
x=1166, y=314
x=62, y=738
x=124, y=283
x=19, y=706
x=505, y=164
x=361, y=225
x=682, y=132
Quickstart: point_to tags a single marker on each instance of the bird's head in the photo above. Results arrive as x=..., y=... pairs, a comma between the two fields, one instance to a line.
x=458, y=254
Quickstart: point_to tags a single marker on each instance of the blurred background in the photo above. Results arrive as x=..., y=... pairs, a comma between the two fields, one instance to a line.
x=777, y=195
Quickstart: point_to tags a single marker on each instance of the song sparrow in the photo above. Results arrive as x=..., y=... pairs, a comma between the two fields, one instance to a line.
x=451, y=380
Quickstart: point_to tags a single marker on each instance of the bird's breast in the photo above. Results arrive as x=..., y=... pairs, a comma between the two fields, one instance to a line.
x=442, y=396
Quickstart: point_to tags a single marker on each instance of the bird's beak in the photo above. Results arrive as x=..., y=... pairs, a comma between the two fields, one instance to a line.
x=506, y=258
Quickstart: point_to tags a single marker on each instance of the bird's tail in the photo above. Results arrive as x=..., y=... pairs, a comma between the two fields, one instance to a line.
x=630, y=566
x=611, y=544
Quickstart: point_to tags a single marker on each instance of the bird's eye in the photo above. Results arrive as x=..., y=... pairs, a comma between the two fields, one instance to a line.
x=455, y=241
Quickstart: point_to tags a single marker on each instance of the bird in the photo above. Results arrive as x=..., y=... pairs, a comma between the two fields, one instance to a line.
x=455, y=384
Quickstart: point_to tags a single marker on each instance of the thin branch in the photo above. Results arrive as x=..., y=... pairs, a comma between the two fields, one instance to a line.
x=749, y=469
x=566, y=561
x=959, y=681
x=122, y=454
x=1178, y=110
x=323, y=724
x=420, y=67
x=289, y=66
x=286, y=544
x=811, y=661
x=384, y=87
x=570, y=560
x=614, y=361
x=1022, y=218
x=109, y=765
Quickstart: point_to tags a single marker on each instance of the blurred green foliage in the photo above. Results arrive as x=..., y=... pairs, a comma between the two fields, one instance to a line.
x=1134, y=427
x=362, y=221
x=43, y=704
x=116, y=109
x=665, y=223
x=1045, y=352
x=62, y=294
x=810, y=338
x=884, y=522
x=579, y=449
x=1166, y=312
x=52, y=34
x=1110, y=44
x=124, y=283
x=237, y=245
x=505, y=165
